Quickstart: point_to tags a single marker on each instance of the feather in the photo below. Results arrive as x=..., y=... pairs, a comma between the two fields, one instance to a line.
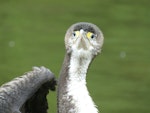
x=27, y=91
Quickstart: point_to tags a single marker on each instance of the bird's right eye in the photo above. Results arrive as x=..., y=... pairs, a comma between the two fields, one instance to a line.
x=76, y=33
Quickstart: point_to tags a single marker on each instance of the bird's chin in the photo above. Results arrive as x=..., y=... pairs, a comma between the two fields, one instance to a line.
x=82, y=51
x=82, y=43
x=81, y=46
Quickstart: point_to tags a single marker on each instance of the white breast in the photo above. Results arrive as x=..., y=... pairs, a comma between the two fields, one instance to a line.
x=77, y=84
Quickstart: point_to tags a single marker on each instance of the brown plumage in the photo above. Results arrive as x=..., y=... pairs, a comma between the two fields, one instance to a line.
x=27, y=94
x=38, y=102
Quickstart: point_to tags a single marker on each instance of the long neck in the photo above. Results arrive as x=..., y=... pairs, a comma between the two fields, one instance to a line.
x=73, y=96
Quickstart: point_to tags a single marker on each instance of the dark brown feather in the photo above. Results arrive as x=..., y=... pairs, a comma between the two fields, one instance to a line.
x=38, y=102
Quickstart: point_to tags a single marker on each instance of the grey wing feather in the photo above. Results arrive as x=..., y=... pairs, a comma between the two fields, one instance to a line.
x=15, y=95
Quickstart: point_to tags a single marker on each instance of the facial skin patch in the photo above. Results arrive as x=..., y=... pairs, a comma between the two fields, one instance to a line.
x=90, y=35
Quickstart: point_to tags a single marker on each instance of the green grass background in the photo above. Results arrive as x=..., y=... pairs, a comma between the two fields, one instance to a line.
x=32, y=34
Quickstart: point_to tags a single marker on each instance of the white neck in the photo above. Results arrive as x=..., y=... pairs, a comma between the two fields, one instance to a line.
x=77, y=84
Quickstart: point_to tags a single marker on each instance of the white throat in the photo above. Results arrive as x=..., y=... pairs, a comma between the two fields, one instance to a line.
x=77, y=89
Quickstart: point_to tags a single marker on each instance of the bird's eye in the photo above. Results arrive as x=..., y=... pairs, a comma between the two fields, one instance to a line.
x=90, y=35
x=76, y=33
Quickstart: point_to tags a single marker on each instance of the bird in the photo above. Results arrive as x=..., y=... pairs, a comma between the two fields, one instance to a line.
x=27, y=94
x=83, y=42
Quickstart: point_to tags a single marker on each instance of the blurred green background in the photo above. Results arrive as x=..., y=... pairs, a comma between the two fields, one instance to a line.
x=32, y=34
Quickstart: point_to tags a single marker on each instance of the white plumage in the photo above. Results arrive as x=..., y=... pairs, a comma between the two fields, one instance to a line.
x=27, y=94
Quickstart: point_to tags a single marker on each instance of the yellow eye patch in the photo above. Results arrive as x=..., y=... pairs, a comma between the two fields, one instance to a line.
x=76, y=33
x=90, y=35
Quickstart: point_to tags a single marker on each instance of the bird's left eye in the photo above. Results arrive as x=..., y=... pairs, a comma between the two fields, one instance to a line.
x=75, y=33
x=90, y=35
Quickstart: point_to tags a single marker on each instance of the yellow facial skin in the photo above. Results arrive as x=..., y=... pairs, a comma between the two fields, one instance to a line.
x=88, y=34
x=77, y=33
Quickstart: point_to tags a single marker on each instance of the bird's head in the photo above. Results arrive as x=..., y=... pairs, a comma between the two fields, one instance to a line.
x=82, y=38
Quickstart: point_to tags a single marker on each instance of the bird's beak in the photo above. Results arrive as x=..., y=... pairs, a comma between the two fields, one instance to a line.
x=83, y=41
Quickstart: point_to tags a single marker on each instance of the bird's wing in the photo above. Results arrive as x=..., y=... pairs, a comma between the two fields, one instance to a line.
x=27, y=93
